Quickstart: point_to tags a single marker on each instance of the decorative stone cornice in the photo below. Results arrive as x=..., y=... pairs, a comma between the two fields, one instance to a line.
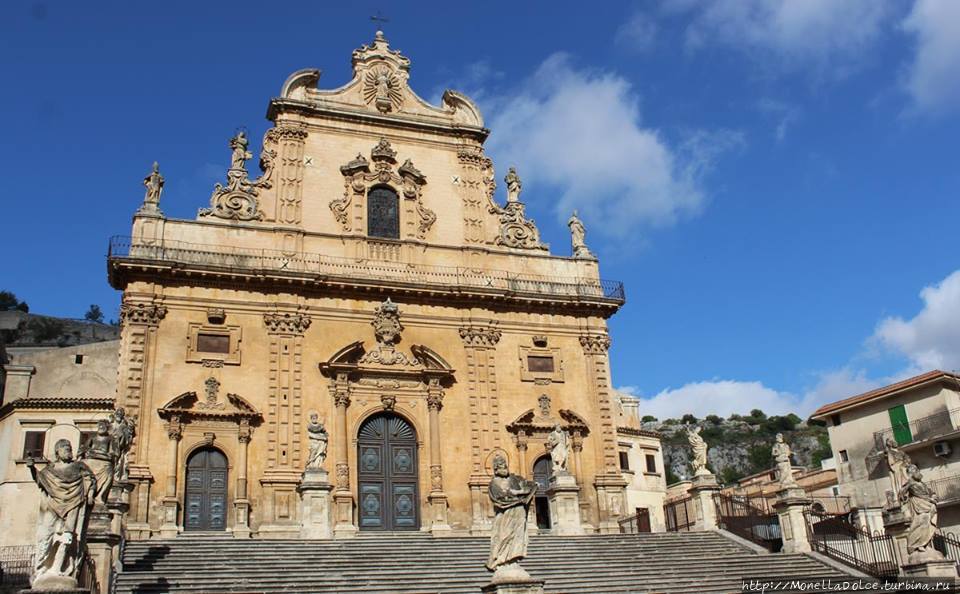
x=480, y=336
x=286, y=131
x=148, y=314
x=595, y=344
x=286, y=323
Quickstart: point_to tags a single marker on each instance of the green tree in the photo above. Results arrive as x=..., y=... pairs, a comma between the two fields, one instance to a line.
x=760, y=457
x=45, y=329
x=688, y=419
x=9, y=301
x=649, y=419
x=671, y=477
x=714, y=419
x=94, y=314
x=730, y=475
x=824, y=451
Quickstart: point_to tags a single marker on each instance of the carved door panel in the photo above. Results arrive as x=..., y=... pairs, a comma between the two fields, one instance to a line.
x=387, y=474
x=542, y=469
x=205, y=500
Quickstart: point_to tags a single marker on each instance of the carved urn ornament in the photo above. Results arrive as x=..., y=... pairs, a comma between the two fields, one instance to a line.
x=387, y=328
x=237, y=200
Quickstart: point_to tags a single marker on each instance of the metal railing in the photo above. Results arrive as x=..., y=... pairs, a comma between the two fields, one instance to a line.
x=636, y=523
x=921, y=429
x=834, y=536
x=322, y=267
x=16, y=565
x=949, y=545
x=680, y=515
x=947, y=489
x=747, y=520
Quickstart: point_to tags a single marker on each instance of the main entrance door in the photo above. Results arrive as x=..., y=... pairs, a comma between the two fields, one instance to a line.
x=542, y=469
x=206, y=496
x=387, y=476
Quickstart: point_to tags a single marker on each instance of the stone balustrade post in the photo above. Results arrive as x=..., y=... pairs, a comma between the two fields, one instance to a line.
x=789, y=505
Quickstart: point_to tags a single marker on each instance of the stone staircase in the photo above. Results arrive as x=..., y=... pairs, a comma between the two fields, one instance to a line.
x=692, y=562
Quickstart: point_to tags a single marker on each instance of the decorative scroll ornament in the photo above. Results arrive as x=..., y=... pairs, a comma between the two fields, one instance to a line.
x=142, y=313
x=237, y=200
x=286, y=323
x=359, y=177
x=516, y=230
x=151, y=199
x=387, y=328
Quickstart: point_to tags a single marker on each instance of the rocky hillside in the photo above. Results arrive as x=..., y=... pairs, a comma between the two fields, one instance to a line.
x=739, y=445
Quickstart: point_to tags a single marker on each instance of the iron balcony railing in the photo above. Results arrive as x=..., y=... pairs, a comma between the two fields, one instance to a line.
x=834, y=536
x=947, y=489
x=16, y=566
x=248, y=260
x=921, y=429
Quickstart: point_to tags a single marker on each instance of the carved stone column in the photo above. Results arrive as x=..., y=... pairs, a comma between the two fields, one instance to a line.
x=170, y=528
x=138, y=328
x=284, y=423
x=576, y=444
x=241, y=504
x=437, y=498
x=480, y=342
x=344, y=526
x=290, y=138
x=608, y=481
x=520, y=439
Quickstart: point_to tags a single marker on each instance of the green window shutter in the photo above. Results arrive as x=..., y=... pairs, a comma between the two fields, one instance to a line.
x=900, y=424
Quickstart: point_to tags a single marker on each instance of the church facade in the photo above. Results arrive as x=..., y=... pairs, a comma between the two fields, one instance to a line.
x=365, y=275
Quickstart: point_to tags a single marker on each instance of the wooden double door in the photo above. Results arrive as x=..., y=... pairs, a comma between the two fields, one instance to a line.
x=205, y=500
x=387, y=474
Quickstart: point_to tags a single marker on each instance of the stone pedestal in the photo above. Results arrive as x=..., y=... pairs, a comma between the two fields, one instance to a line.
x=702, y=490
x=171, y=508
x=939, y=569
x=280, y=506
x=315, y=510
x=896, y=523
x=42, y=591
x=241, y=511
x=439, y=525
x=512, y=579
x=789, y=505
x=343, y=510
x=564, y=497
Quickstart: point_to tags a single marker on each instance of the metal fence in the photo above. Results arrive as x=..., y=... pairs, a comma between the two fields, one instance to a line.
x=833, y=505
x=949, y=545
x=947, y=489
x=680, y=515
x=16, y=565
x=322, y=267
x=636, y=523
x=749, y=520
x=834, y=536
x=921, y=429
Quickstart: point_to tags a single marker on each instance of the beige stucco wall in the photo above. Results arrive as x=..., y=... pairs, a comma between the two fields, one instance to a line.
x=58, y=374
x=644, y=489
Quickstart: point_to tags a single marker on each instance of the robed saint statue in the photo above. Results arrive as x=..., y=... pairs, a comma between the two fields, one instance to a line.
x=511, y=495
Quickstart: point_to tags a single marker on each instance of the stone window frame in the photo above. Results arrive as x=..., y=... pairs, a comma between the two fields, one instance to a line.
x=195, y=329
x=40, y=425
x=527, y=375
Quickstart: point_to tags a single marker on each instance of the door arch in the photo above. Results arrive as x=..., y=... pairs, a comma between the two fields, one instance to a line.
x=205, y=499
x=387, y=474
x=542, y=469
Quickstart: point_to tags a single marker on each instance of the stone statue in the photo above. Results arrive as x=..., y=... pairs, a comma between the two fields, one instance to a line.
x=897, y=461
x=559, y=446
x=100, y=459
x=154, y=185
x=699, y=449
x=122, y=431
x=513, y=185
x=318, y=442
x=781, y=454
x=577, y=237
x=511, y=496
x=922, y=503
x=239, y=143
x=68, y=489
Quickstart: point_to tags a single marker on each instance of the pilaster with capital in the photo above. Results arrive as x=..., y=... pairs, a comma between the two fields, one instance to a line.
x=290, y=139
x=241, y=503
x=437, y=498
x=480, y=340
x=170, y=526
x=344, y=526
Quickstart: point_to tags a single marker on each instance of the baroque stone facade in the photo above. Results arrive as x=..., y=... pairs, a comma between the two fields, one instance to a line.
x=368, y=276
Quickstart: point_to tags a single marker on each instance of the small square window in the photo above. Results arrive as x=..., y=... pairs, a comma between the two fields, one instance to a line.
x=624, y=461
x=651, y=463
x=33, y=444
x=78, y=359
x=843, y=456
x=835, y=419
x=213, y=343
x=538, y=363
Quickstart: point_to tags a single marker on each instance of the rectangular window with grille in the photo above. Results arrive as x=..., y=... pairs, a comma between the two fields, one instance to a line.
x=213, y=343
x=33, y=444
x=651, y=463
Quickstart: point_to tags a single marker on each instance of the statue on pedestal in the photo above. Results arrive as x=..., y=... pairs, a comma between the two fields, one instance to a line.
x=922, y=503
x=513, y=185
x=511, y=496
x=154, y=185
x=239, y=144
x=67, y=488
x=318, y=442
x=578, y=236
x=898, y=462
x=699, y=449
x=559, y=446
x=100, y=459
x=781, y=454
x=122, y=431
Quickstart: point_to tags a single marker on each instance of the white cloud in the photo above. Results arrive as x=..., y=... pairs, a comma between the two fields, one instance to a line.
x=826, y=32
x=638, y=33
x=579, y=131
x=933, y=79
x=931, y=339
x=784, y=114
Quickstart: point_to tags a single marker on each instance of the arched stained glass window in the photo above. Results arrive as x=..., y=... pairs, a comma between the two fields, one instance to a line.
x=383, y=213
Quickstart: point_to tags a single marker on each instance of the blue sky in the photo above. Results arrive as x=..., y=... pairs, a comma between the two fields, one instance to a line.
x=777, y=182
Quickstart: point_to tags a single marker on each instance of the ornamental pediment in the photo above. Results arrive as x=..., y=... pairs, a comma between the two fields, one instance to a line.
x=543, y=420
x=380, y=85
x=210, y=405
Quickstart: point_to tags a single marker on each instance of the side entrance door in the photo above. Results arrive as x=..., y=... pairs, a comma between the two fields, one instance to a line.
x=387, y=476
x=206, y=496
